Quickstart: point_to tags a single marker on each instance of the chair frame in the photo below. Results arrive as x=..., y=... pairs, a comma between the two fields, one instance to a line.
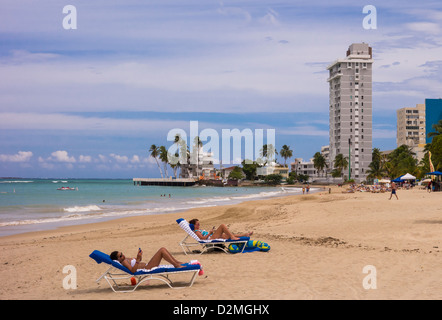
x=117, y=272
x=112, y=278
x=207, y=244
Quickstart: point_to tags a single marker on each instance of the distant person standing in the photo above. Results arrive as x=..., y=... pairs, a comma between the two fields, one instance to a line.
x=393, y=191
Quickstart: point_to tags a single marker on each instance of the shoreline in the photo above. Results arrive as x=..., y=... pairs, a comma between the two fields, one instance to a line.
x=35, y=224
x=319, y=242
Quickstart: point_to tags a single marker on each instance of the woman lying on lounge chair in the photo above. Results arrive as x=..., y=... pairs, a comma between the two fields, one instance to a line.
x=134, y=264
x=221, y=233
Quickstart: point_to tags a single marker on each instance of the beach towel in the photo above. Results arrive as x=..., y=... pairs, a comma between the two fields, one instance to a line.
x=251, y=246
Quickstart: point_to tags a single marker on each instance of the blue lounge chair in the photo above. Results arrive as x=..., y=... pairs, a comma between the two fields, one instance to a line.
x=205, y=244
x=161, y=273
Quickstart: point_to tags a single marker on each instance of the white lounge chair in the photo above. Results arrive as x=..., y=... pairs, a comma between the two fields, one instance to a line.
x=205, y=244
x=117, y=273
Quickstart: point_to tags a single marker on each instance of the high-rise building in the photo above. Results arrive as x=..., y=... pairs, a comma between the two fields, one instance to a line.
x=411, y=129
x=433, y=113
x=350, y=82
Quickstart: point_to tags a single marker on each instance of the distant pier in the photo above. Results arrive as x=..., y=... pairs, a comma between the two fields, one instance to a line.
x=164, y=182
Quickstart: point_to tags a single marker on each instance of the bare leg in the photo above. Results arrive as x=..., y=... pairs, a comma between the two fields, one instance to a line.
x=162, y=254
x=223, y=232
x=248, y=234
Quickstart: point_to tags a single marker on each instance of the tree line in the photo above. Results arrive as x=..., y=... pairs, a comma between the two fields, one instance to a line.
x=393, y=165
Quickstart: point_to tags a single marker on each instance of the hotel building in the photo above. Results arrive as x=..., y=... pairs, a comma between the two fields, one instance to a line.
x=350, y=83
x=433, y=113
x=411, y=129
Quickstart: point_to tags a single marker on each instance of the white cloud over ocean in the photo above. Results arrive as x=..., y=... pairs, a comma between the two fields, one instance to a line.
x=21, y=156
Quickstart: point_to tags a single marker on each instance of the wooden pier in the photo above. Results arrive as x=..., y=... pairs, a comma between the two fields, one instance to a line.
x=164, y=182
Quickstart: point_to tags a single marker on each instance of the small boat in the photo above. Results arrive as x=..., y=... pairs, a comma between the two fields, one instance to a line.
x=67, y=188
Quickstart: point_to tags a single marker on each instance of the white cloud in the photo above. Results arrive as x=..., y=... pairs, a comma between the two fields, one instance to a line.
x=61, y=156
x=135, y=159
x=234, y=11
x=84, y=159
x=119, y=159
x=66, y=122
x=21, y=156
x=425, y=27
x=270, y=18
x=102, y=159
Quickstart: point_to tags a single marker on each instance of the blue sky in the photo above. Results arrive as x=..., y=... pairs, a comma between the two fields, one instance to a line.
x=89, y=102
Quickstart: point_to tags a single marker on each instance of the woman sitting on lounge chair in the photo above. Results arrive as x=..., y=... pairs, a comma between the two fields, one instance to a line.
x=134, y=264
x=221, y=233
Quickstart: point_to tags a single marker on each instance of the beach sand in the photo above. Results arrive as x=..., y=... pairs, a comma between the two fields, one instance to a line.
x=320, y=244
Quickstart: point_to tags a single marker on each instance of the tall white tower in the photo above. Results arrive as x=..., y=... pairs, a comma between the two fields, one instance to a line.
x=350, y=82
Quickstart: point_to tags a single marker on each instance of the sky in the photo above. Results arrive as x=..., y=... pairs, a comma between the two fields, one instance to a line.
x=85, y=93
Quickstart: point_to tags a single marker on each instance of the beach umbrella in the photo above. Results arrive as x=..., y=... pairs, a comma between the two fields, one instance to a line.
x=384, y=181
x=408, y=177
x=435, y=173
x=426, y=181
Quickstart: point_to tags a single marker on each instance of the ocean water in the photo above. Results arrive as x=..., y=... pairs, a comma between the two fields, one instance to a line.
x=38, y=204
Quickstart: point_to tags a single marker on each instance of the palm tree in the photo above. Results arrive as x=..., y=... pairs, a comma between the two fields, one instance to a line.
x=438, y=129
x=286, y=153
x=154, y=153
x=175, y=165
x=376, y=170
x=268, y=151
x=377, y=166
x=198, y=144
x=164, y=158
x=341, y=163
x=319, y=161
x=376, y=155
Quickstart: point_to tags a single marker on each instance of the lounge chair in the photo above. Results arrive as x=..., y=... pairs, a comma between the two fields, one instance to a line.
x=205, y=244
x=117, y=271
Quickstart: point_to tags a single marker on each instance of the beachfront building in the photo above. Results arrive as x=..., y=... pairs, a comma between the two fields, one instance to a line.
x=411, y=129
x=299, y=166
x=225, y=172
x=203, y=167
x=433, y=113
x=273, y=168
x=350, y=109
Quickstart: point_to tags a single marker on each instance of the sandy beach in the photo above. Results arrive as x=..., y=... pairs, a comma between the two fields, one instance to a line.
x=320, y=245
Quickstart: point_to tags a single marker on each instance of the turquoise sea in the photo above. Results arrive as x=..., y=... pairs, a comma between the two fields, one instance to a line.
x=39, y=204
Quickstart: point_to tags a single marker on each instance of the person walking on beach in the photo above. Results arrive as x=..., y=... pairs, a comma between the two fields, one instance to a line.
x=393, y=191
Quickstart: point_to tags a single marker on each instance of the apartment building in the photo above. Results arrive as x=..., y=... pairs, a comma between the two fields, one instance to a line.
x=350, y=108
x=411, y=129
